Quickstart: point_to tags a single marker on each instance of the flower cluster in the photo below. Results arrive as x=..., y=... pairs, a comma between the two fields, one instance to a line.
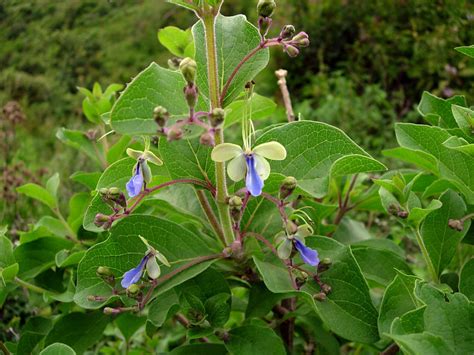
x=287, y=242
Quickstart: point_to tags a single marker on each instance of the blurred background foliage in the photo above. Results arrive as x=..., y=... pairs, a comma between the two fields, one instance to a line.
x=366, y=68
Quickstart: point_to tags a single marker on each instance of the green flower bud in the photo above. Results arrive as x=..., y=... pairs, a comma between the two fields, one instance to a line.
x=110, y=311
x=287, y=187
x=160, y=115
x=320, y=297
x=217, y=117
x=133, y=290
x=114, y=191
x=326, y=289
x=101, y=220
x=104, y=271
x=103, y=192
x=287, y=31
x=292, y=51
x=188, y=68
x=175, y=134
x=264, y=24
x=265, y=8
x=173, y=63
x=235, y=204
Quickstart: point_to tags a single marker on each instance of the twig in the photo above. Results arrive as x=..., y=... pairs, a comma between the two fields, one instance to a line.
x=391, y=350
x=343, y=208
x=281, y=75
x=4, y=349
x=211, y=217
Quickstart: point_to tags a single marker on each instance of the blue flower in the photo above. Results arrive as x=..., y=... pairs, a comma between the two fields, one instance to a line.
x=135, y=184
x=253, y=181
x=134, y=275
x=308, y=255
x=248, y=163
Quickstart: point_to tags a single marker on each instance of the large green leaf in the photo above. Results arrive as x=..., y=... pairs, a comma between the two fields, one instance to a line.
x=58, y=349
x=422, y=343
x=437, y=111
x=132, y=113
x=453, y=165
x=440, y=240
x=348, y=309
x=78, y=330
x=235, y=38
x=467, y=50
x=398, y=299
x=35, y=329
x=466, y=280
x=123, y=251
x=252, y=339
x=315, y=151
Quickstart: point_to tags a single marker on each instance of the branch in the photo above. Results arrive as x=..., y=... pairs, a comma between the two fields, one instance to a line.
x=281, y=75
x=211, y=217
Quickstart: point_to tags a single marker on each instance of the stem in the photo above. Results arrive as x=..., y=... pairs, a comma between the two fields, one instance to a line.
x=29, y=286
x=4, y=349
x=211, y=217
x=424, y=252
x=343, y=206
x=212, y=69
x=66, y=225
x=281, y=75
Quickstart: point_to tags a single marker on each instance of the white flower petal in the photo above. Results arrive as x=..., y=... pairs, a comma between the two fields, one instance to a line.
x=152, y=158
x=152, y=268
x=225, y=151
x=237, y=168
x=271, y=150
x=262, y=166
x=135, y=154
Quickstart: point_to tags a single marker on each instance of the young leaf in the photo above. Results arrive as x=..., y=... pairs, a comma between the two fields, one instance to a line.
x=179, y=42
x=437, y=111
x=38, y=193
x=466, y=280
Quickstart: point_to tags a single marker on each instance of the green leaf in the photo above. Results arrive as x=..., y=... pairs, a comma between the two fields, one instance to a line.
x=187, y=159
x=78, y=140
x=78, y=330
x=129, y=324
x=184, y=4
x=77, y=207
x=35, y=329
x=39, y=255
x=422, y=343
x=123, y=250
x=163, y=307
x=379, y=265
x=417, y=214
x=251, y=339
x=348, y=310
x=89, y=180
x=260, y=106
x=132, y=113
x=58, y=349
x=314, y=149
x=52, y=185
x=6, y=252
x=179, y=42
x=65, y=258
x=454, y=166
x=464, y=118
x=398, y=299
x=261, y=300
x=411, y=322
x=440, y=240
x=437, y=111
x=467, y=50
x=200, y=349
x=235, y=38
x=448, y=316
x=117, y=151
x=466, y=280
x=420, y=159
x=38, y=193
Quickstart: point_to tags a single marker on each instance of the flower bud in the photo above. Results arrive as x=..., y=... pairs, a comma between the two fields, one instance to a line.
x=456, y=224
x=104, y=271
x=191, y=95
x=114, y=191
x=173, y=63
x=264, y=24
x=132, y=290
x=287, y=187
x=235, y=204
x=301, y=39
x=287, y=31
x=326, y=289
x=207, y=138
x=101, y=220
x=175, y=134
x=320, y=297
x=160, y=115
x=188, y=68
x=292, y=51
x=217, y=117
x=402, y=214
x=91, y=298
x=110, y=311
x=265, y=8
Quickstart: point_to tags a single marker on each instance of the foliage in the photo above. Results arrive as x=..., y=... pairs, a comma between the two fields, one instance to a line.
x=308, y=245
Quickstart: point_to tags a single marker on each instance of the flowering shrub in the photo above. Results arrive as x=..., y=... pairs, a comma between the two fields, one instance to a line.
x=251, y=247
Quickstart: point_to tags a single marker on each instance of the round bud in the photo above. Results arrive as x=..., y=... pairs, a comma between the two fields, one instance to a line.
x=173, y=63
x=188, y=68
x=103, y=271
x=287, y=31
x=326, y=261
x=207, y=138
x=235, y=202
x=91, y=298
x=132, y=290
x=104, y=191
x=320, y=297
x=265, y=8
x=300, y=37
x=326, y=289
x=402, y=214
x=101, y=219
x=175, y=134
x=264, y=24
x=191, y=95
x=287, y=187
x=292, y=51
x=456, y=224
x=114, y=191
x=217, y=117
x=160, y=115
x=110, y=311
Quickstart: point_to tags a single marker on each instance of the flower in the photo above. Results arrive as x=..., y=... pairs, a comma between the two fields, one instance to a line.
x=250, y=164
x=309, y=256
x=148, y=262
x=141, y=174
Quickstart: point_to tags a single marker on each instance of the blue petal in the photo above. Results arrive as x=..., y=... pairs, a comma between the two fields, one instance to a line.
x=135, y=184
x=308, y=255
x=253, y=181
x=133, y=276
